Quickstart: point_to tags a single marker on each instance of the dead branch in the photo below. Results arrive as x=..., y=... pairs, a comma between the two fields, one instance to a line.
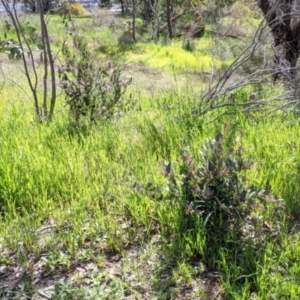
x=218, y=97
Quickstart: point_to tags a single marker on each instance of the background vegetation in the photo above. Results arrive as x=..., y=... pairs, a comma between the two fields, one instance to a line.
x=152, y=200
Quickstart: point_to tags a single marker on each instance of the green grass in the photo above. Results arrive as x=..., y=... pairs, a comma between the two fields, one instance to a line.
x=174, y=58
x=73, y=227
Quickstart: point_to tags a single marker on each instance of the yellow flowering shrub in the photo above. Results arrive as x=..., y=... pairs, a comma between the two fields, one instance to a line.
x=76, y=9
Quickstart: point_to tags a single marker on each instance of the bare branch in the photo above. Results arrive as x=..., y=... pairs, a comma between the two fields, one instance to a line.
x=47, y=58
x=286, y=98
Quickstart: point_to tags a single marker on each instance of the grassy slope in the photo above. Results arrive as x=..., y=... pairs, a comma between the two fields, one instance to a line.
x=72, y=227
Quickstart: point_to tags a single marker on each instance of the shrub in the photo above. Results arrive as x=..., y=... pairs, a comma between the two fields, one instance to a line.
x=211, y=185
x=212, y=188
x=212, y=206
x=69, y=9
x=93, y=91
x=76, y=9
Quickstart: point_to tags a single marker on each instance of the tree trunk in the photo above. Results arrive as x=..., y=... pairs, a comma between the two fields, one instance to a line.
x=283, y=19
x=146, y=12
x=286, y=56
x=170, y=33
x=133, y=20
x=122, y=7
x=126, y=7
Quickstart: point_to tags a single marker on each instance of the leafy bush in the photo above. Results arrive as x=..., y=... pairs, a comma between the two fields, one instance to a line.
x=213, y=190
x=93, y=91
x=11, y=48
x=213, y=198
x=212, y=185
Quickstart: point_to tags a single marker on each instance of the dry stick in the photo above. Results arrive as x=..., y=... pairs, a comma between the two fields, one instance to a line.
x=211, y=96
x=244, y=82
x=1, y=70
x=157, y=18
x=17, y=84
x=51, y=64
x=258, y=106
x=240, y=60
x=27, y=44
x=261, y=105
x=47, y=55
x=28, y=47
x=19, y=32
x=218, y=89
x=45, y=60
x=52, y=72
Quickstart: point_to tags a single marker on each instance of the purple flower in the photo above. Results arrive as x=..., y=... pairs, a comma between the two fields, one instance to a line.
x=189, y=208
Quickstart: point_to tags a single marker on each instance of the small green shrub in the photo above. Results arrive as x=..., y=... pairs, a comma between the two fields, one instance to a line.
x=93, y=91
x=212, y=185
x=215, y=198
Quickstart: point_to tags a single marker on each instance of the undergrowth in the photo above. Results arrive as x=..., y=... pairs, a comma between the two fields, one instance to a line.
x=150, y=205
